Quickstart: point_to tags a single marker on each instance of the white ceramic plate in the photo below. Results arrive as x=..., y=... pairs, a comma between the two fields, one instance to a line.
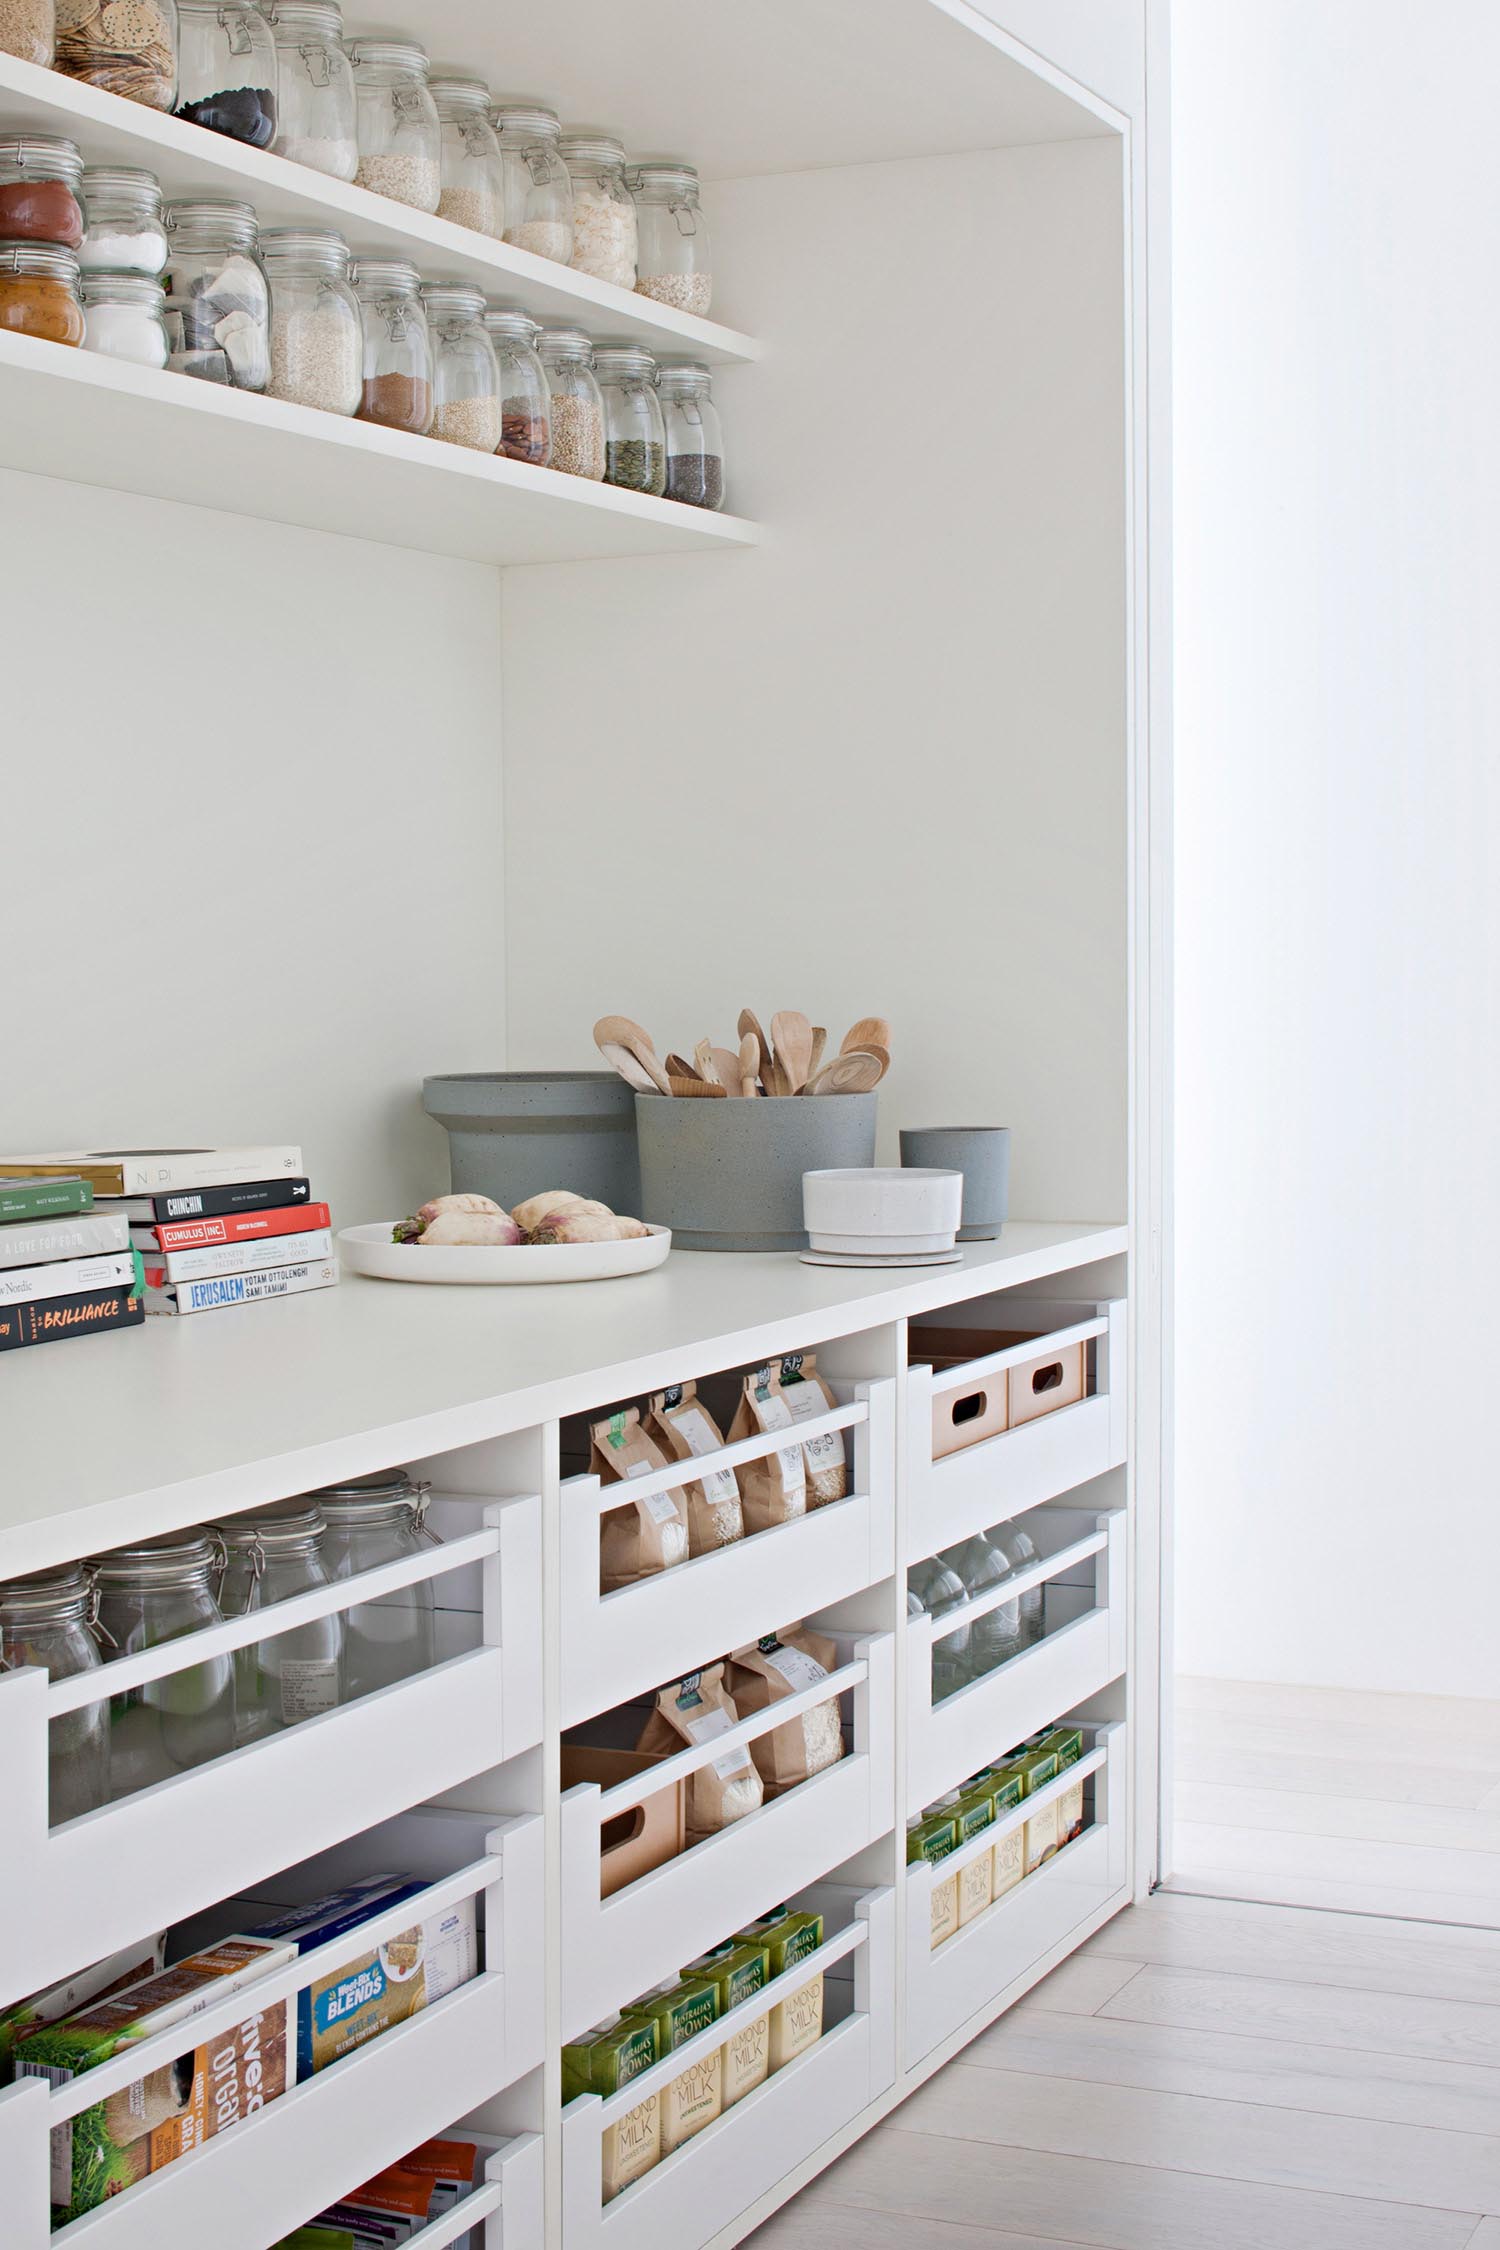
x=370, y=1250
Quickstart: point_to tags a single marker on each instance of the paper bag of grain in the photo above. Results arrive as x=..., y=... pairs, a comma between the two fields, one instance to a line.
x=770, y=1669
x=681, y=1424
x=773, y=1490
x=694, y=1710
x=649, y=1535
x=808, y=1395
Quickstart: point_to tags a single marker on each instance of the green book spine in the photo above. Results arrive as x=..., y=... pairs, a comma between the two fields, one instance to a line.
x=44, y=1199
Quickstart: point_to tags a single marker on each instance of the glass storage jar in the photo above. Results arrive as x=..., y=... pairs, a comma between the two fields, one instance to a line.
x=465, y=373
x=272, y=1554
x=39, y=292
x=635, y=437
x=162, y=1591
x=695, y=440
x=400, y=137
x=674, y=262
x=40, y=175
x=28, y=30
x=130, y=50
x=525, y=433
x=604, y=231
x=473, y=193
x=226, y=70
x=45, y=1621
x=575, y=410
x=123, y=317
x=218, y=305
x=537, y=189
x=317, y=338
x=122, y=229
x=397, y=382
x=380, y=1520
x=314, y=87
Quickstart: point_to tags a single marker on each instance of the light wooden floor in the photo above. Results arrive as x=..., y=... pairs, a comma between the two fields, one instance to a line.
x=1202, y=2076
x=1374, y=1804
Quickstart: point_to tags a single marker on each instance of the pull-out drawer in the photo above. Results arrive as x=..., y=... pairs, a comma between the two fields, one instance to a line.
x=616, y=1645
x=616, y=1947
x=706, y=2183
x=1085, y=1609
x=999, y=1952
x=267, y=2174
x=1038, y=1454
x=73, y=1893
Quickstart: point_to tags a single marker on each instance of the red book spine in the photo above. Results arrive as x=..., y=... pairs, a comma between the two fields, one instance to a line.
x=242, y=1226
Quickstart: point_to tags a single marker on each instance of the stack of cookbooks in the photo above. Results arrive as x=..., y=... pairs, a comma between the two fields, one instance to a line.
x=67, y=1267
x=212, y=1226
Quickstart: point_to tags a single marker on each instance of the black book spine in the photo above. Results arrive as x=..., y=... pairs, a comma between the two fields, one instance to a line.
x=47, y=1320
x=222, y=1202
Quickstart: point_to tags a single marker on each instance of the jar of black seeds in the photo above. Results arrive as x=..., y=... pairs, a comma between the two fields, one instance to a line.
x=695, y=442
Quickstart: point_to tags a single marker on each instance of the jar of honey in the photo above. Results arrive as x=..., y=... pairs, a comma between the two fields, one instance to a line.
x=39, y=291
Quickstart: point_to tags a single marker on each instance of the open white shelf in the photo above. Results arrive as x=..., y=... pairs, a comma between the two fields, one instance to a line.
x=189, y=161
x=100, y=421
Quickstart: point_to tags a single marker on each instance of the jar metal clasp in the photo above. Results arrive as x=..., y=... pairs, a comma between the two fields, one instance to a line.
x=235, y=22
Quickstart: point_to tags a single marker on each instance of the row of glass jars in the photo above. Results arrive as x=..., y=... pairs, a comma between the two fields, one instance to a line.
x=281, y=75
x=75, y=1621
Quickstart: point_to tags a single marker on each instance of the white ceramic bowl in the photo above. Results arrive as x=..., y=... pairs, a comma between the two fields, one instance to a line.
x=903, y=1210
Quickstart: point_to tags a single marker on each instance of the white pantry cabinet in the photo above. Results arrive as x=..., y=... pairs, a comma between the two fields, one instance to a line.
x=380, y=759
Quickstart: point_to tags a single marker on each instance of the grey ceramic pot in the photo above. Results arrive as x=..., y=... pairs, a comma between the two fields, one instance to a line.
x=515, y=1133
x=982, y=1154
x=727, y=1175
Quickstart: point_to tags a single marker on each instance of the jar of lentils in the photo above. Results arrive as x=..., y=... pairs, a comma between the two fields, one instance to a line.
x=128, y=47
x=576, y=409
x=473, y=173
x=124, y=317
x=39, y=292
x=525, y=434
x=273, y=1554
x=28, y=30
x=380, y=1520
x=162, y=1591
x=218, y=304
x=675, y=264
x=400, y=137
x=45, y=1621
x=40, y=176
x=635, y=438
x=695, y=443
x=538, y=190
x=604, y=231
x=317, y=338
x=314, y=87
x=397, y=382
x=122, y=229
x=226, y=70
x=465, y=373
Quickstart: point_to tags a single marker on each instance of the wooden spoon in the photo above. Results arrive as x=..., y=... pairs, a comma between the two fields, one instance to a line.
x=870, y=1031
x=622, y=1060
x=749, y=1063
x=677, y=1066
x=748, y=1027
x=858, y=1073
x=791, y=1035
x=819, y=1042
x=696, y=1089
x=612, y=1032
x=727, y=1069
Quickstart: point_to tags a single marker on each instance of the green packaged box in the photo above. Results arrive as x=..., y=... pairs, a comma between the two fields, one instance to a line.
x=932, y=1838
x=601, y=2062
x=740, y=1968
x=788, y=1936
x=1067, y=1743
x=1037, y=1768
x=974, y=1812
x=694, y=2099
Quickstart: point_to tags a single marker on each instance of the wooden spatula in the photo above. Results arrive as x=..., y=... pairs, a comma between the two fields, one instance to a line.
x=870, y=1031
x=616, y=1035
x=727, y=1069
x=858, y=1073
x=819, y=1042
x=791, y=1036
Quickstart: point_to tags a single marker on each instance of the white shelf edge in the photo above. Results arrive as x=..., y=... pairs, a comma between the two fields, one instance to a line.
x=188, y=160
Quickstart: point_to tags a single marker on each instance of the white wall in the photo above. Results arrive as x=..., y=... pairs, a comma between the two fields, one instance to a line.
x=878, y=765
x=1337, y=235
x=251, y=836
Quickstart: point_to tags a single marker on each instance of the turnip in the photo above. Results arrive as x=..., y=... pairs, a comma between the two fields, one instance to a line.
x=535, y=1208
x=489, y=1229
x=444, y=1203
x=576, y=1226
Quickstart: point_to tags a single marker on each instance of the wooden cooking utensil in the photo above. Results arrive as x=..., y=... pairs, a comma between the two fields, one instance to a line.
x=727, y=1069
x=621, y=1059
x=749, y=1063
x=858, y=1073
x=819, y=1042
x=749, y=1027
x=776, y=1080
x=703, y=1056
x=696, y=1089
x=791, y=1036
x=677, y=1066
x=620, y=1032
x=870, y=1031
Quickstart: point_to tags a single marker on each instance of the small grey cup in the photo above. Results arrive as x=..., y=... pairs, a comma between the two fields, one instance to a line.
x=982, y=1154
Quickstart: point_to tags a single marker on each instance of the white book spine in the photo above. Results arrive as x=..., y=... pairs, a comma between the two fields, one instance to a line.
x=87, y=1234
x=218, y=1290
x=167, y=1172
x=65, y=1277
x=244, y=1257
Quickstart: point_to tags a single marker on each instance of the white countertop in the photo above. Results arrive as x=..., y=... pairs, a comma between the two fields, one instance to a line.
x=108, y=1438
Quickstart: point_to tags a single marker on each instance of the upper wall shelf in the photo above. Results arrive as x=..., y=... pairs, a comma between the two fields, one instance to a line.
x=100, y=421
x=189, y=161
